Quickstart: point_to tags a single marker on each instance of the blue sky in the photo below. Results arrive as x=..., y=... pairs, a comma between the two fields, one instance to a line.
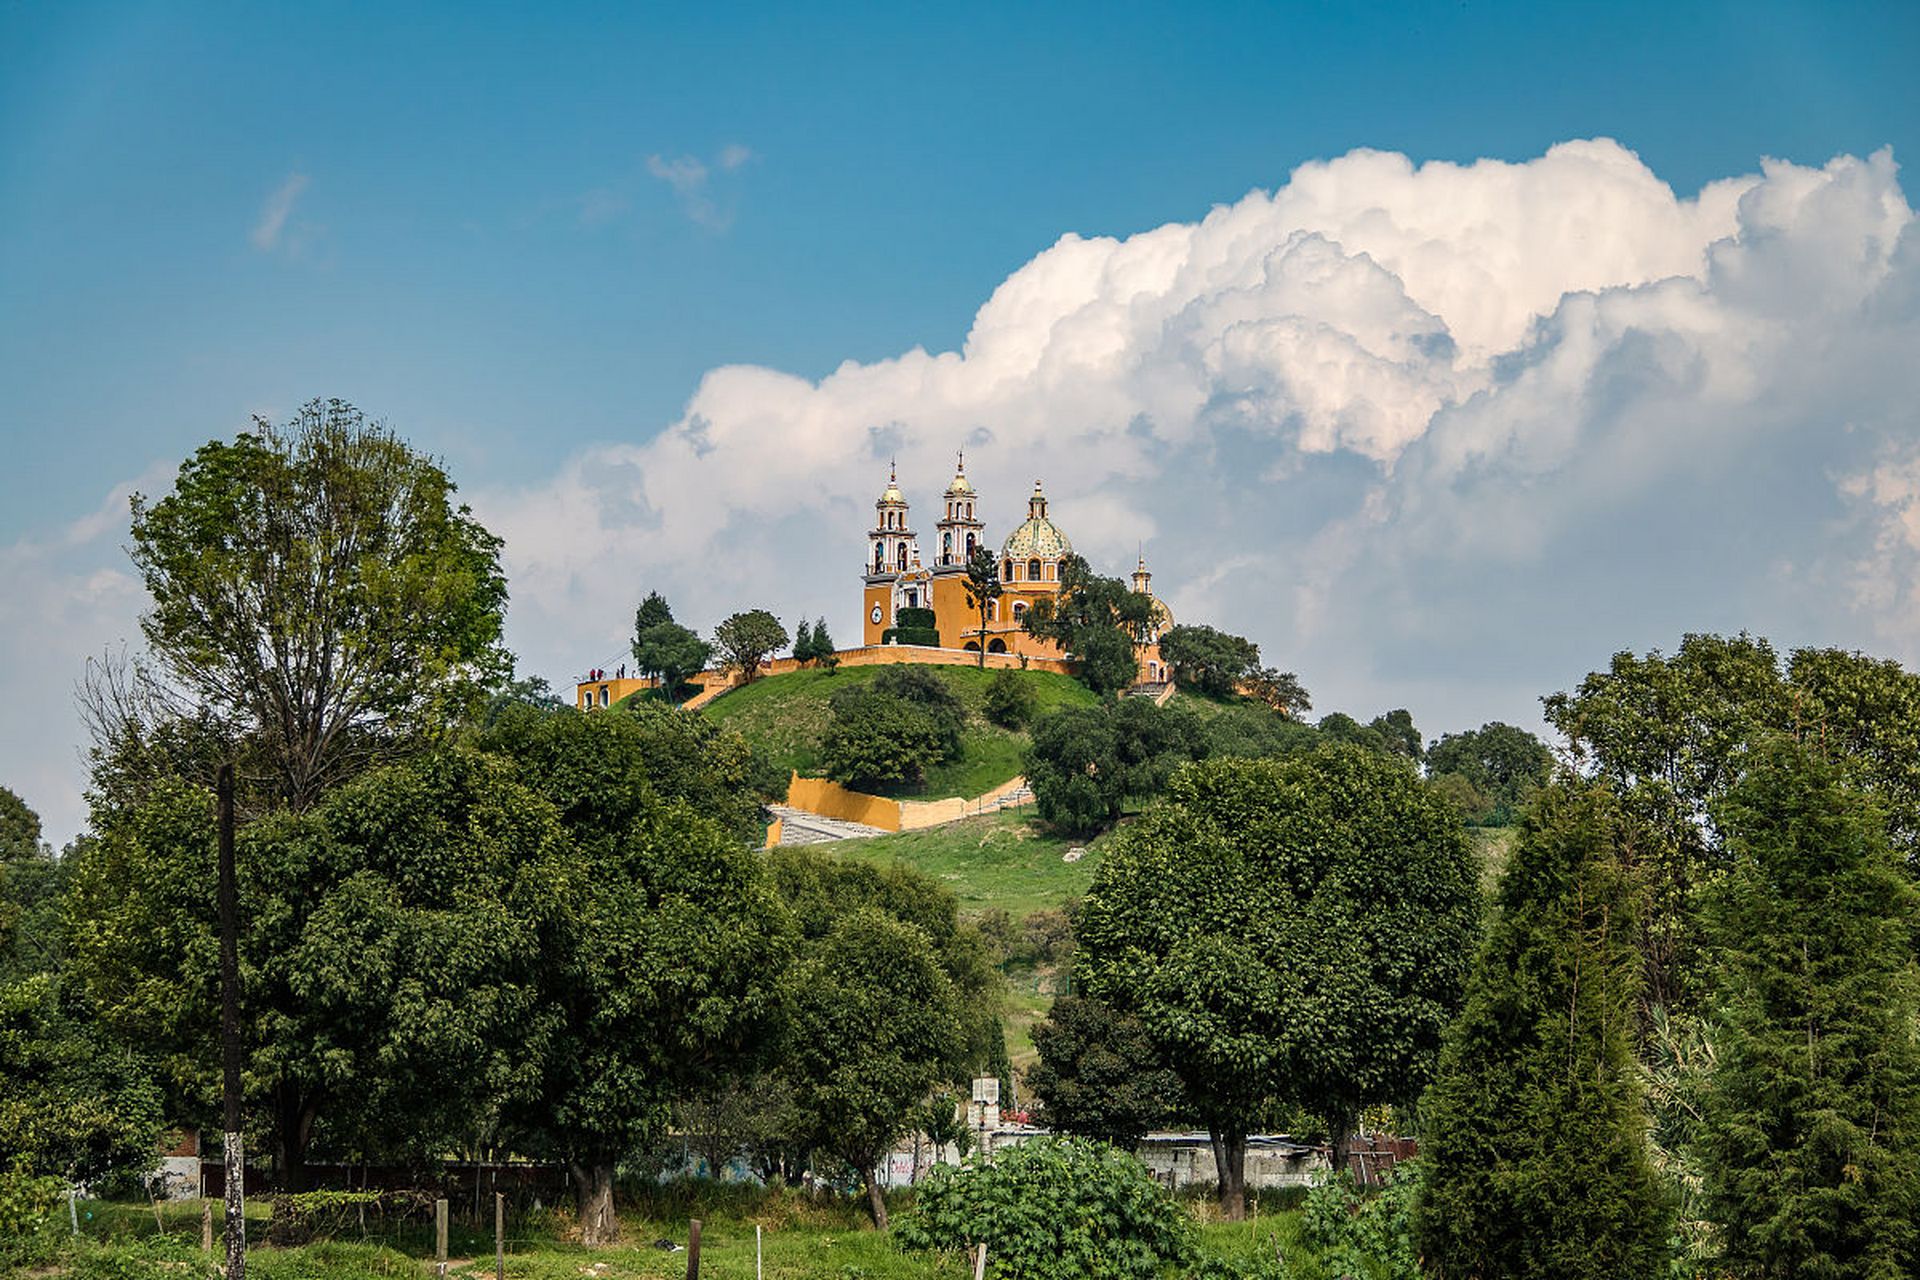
x=525, y=234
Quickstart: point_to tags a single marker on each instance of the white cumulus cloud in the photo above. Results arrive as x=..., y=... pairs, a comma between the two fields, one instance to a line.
x=1439, y=434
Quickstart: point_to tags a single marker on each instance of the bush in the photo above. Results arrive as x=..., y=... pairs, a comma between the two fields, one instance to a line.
x=1366, y=1237
x=31, y=1219
x=1010, y=700
x=1054, y=1209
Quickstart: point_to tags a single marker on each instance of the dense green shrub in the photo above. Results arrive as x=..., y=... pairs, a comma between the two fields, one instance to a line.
x=1010, y=700
x=1054, y=1209
x=1365, y=1237
x=31, y=1219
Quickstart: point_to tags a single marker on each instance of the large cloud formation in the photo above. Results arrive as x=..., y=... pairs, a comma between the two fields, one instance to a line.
x=1435, y=435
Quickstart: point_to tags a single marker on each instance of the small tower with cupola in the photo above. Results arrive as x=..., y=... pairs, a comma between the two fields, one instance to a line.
x=892, y=552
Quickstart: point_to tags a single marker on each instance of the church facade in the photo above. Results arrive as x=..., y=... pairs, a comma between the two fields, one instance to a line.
x=895, y=576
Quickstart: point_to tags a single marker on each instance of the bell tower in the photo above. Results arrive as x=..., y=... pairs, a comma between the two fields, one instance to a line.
x=892, y=551
x=959, y=531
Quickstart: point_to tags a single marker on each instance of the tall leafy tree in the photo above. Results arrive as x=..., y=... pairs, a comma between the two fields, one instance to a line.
x=316, y=592
x=1501, y=765
x=1672, y=733
x=665, y=650
x=1292, y=930
x=983, y=587
x=1209, y=661
x=873, y=1024
x=1535, y=1132
x=1280, y=690
x=1099, y=1075
x=389, y=937
x=1099, y=621
x=1085, y=763
x=19, y=828
x=1811, y=1146
x=746, y=639
x=662, y=950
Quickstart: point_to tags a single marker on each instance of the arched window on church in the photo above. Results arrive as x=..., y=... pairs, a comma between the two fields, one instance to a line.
x=946, y=548
x=1033, y=571
x=969, y=546
x=993, y=611
x=1007, y=574
x=879, y=557
x=903, y=555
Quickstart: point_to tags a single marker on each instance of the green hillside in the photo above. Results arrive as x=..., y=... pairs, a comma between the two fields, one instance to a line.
x=788, y=715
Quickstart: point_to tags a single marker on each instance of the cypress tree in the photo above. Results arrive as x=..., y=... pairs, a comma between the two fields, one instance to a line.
x=1811, y=1143
x=1535, y=1147
x=803, y=642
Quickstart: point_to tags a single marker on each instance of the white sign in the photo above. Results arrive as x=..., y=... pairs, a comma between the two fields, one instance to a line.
x=986, y=1088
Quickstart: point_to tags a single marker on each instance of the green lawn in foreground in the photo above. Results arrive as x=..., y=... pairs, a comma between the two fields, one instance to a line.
x=1006, y=860
x=787, y=716
x=802, y=1240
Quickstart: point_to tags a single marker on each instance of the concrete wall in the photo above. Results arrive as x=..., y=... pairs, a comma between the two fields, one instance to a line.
x=831, y=800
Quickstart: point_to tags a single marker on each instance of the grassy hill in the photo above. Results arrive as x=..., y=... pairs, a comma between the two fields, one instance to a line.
x=788, y=715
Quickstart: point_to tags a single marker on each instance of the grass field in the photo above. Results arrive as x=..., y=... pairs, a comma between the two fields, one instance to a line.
x=1006, y=860
x=787, y=716
x=799, y=1238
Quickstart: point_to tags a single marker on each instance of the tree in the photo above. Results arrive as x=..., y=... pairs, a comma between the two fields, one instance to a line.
x=803, y=642
x=673, y=654
x=658, y=971
x=1280, y=690
x=653, y=611
x=1098, y=621
x=1085, y=763
x=872, y=1025
x=823, y=646
x=877, y=739
x=315, y=591
x=643, y=747
x=1396, y=730
x=19, y=828
x=1672, y=733
x=1498, y=768
x=748, y=638
x=983, y=588
x=389, y=935
x=1326, y=910
x=1811, y=1144
x=665, y=650
x=74, y=1103
x=1208, y=661
x=534, y=691
x=1535, y=1133
x=1010, y=699
x=1099, y=1075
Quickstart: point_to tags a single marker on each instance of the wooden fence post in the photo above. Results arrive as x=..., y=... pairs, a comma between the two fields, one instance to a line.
x=206, y=1226
x=693, y=1250
x=499, y=1235
x=980, y=1262
x=440, y=1237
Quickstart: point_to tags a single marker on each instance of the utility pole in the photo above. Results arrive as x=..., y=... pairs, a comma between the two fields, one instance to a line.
x=236, y=1180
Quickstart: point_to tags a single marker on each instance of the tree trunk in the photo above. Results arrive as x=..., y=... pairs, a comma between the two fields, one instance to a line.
x=1343, y=1126
x=593, y=1197
x=1230, y=1162
x=295, y=1123
x=876, y=1201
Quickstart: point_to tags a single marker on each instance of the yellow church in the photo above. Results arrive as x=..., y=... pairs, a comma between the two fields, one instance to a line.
x=895, y=577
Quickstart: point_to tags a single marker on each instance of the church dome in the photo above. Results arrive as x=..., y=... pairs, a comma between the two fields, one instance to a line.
x=1038, y=538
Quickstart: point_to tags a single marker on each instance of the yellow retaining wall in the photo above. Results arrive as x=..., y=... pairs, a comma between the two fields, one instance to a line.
x=915, y=814
x=775, y=830
x=831, y=800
